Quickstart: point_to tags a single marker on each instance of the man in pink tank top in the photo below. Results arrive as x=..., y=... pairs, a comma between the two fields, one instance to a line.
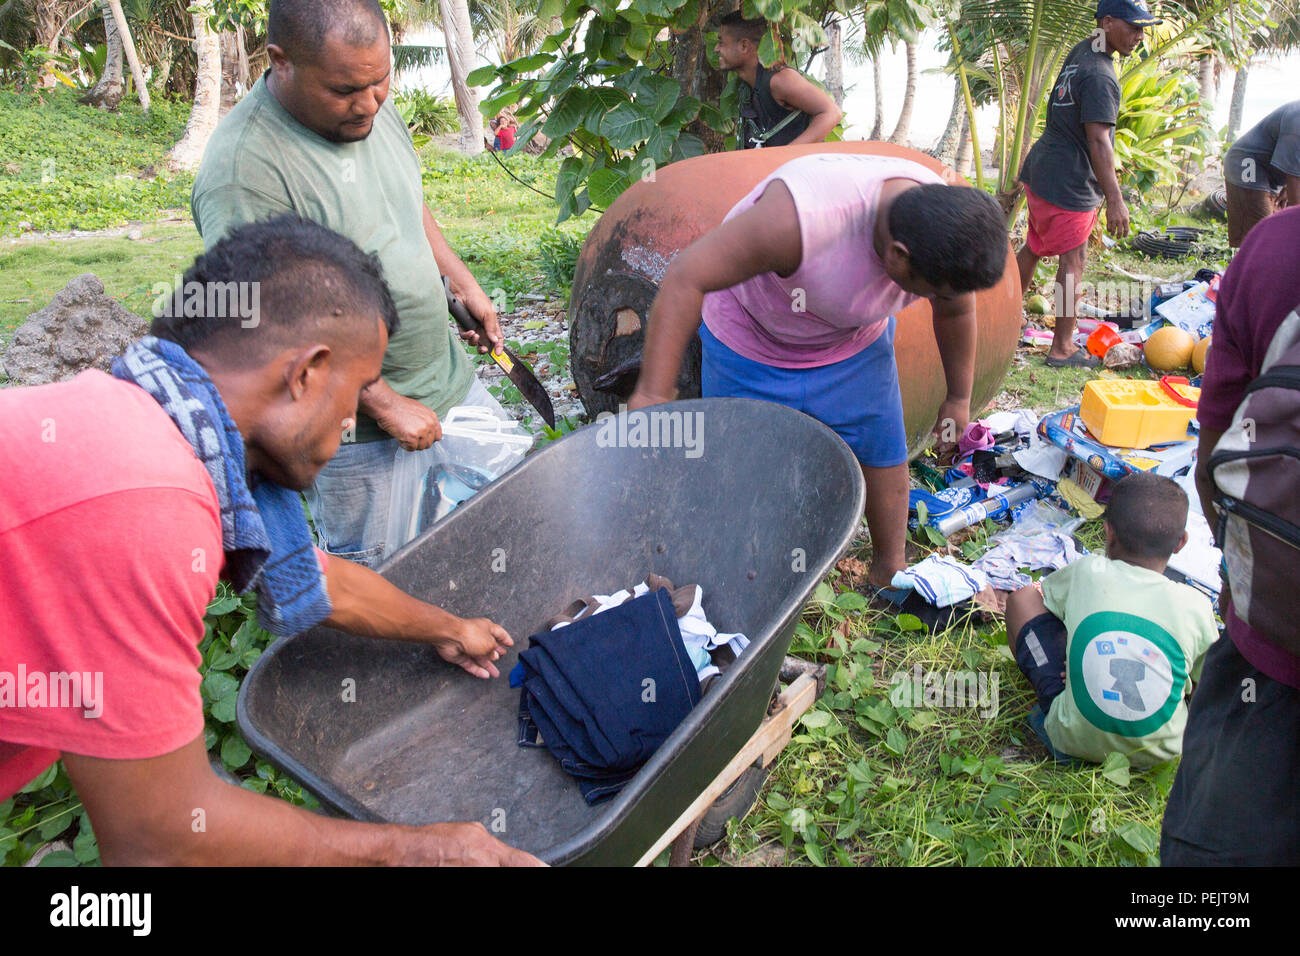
x=797, y=290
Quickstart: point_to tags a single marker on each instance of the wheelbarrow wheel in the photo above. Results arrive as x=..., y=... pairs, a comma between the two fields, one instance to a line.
x=735, y=801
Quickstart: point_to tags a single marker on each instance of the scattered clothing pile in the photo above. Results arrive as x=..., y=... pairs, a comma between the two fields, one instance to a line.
x=614, y=675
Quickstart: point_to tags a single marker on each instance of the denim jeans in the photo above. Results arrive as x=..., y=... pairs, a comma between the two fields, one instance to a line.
x=349, y=501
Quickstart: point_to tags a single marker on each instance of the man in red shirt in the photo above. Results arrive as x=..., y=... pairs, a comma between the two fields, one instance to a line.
x=121, y=504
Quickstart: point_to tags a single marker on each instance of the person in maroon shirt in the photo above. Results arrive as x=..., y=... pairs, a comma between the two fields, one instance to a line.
x=1236, y=799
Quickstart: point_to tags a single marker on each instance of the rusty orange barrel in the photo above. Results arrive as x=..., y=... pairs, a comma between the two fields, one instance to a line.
x=625, y=255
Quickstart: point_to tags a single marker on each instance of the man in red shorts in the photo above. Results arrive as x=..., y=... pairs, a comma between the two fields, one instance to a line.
x=1072, y=166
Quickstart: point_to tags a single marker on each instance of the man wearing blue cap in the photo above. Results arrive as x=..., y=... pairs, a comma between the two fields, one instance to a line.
x=1071, y=168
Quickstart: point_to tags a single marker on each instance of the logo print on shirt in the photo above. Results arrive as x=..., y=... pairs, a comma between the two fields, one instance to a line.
x=1064, y=92
x=1127, y=674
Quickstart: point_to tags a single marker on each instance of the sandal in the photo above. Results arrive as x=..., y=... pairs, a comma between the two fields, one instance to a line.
x=1080, y=359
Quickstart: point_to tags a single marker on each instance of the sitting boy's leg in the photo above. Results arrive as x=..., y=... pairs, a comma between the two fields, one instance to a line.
x=1038, y=644
x=1022, y=607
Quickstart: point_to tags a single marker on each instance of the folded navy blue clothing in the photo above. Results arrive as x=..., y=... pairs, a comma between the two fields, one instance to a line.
x=604, y=692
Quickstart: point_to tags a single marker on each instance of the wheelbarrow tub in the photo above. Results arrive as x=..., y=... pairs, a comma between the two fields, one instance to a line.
x=386, y=731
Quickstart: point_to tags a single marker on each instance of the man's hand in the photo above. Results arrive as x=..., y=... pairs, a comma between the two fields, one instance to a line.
x=481, y=307
x=954, y=416
x=473, y=645
x=413, y=425
x=464, y=844
x=1117, y=221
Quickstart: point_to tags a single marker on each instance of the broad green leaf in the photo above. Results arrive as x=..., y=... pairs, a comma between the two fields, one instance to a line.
x=909, y=622
x=565, y=117
x=1115, y=768
x=658, y=95
x=895, y=741
x=638, y=40
x=600, y=100
x=1139, y=836
x=530, y=64
x=482, y=76
x=43, y=781
x=58, y=858
x=234, y=752
x=850, y=601
x=686, y=146
x=940, y=831
x=625, y=126
x=223, y=605
x=220, y=686
x=814, y=719
x=767, y=51
x=606, y=185
x=224, y=710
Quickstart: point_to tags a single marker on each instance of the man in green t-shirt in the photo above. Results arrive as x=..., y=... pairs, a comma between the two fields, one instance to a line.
x=318, y=136
x=1111, y=645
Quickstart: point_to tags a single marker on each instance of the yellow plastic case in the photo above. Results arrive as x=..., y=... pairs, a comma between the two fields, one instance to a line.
x=1127, y=413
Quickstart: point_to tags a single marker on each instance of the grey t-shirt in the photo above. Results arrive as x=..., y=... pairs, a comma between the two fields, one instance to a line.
x=261, y=162
x=1268, y=152
x=1059, y=167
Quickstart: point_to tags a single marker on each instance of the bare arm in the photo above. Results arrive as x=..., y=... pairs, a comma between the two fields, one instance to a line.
x=1292, y=191
x=465, y=286
x=954, y=332
x=764, y=238
x=793, y=90
x=365, y=603
x=1102, y=154
x=174, y=810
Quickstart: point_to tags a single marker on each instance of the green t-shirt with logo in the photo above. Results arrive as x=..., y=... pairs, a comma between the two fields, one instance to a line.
x=1136, y=641
x=261, y=162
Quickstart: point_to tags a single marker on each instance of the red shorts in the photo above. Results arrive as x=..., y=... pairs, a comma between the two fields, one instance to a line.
x=1053, y=230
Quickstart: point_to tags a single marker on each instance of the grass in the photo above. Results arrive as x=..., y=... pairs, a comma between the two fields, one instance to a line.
x=876, y=777
x=66, y=166
x=31, y=272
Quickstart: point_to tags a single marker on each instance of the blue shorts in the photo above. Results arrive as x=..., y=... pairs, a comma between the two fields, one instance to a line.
x=857, y=397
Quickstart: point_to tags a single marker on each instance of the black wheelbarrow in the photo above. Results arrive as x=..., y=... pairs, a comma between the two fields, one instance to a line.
x=752, y=501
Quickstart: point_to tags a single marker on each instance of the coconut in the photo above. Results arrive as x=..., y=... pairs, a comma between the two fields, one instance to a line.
x=1198, y=355
x=1169, y=348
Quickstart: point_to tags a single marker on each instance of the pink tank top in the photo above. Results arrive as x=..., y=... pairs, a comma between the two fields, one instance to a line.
x=838, y=301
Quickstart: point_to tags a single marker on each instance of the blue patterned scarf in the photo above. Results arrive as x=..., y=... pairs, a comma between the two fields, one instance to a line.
x=264, y=533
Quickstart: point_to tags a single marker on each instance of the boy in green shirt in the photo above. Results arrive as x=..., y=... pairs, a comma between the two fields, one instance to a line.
x=1110, y=645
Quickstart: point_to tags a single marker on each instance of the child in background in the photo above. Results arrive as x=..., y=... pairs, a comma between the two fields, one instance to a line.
x=1110, y=645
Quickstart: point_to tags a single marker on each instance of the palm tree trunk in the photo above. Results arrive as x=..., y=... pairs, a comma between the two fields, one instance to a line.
x=128, y=47
x=1205, y=82
x=835, y=62
x=877, y=125
x=233, y=85
x=909, y=97
x=207, y=96
x=107, y=93
x=460, y=58
x=1238, y=101
x=965, y=150
x=946, y=149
